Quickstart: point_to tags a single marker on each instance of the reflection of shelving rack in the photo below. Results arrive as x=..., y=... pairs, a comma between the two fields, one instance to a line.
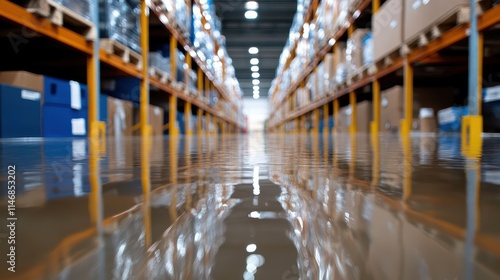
x=427, y=55
x=63, y=48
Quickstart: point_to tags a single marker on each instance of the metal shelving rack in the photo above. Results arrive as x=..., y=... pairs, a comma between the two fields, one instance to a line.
x=420, y=55
x=76, y=43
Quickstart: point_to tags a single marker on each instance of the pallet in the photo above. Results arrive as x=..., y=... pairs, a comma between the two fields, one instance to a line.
x=61, y=16
x=459, y=16
x=162, y=76
x=126, y=54
x=358, y=74
x=387, y=60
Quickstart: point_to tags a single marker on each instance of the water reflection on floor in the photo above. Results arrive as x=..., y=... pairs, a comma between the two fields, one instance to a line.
x=254, y=207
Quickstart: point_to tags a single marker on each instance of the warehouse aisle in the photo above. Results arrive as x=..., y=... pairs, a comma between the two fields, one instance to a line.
x=254, y=207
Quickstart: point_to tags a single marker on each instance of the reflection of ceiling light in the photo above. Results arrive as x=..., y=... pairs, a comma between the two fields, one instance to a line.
x=255, y=68
x=255, y=82
x=251, y=14
x=256, y=88
x=251, y=5
x=255, y=75
x=251, y=248
x=256, y=97
x=253, y=50
x=254, y=61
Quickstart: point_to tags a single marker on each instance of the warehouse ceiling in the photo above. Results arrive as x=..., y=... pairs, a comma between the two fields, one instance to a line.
x=268, y=32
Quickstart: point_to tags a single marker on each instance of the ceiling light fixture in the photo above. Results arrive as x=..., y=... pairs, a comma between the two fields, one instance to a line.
x=256, y=96
x=253, y=50
x=256, y=82
x=254, y=61
x=256, y=87
x=251, y=5
x=255, y=75
x=255, y=68
x=251, y=14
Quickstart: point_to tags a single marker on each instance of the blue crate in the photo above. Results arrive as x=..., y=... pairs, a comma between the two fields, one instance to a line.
x=126, y=89
x=450, y=119
x=180, y=121
x=57, y=91
x=57, y=119
x=20, y=112
x=491, y=109
x=103, y=108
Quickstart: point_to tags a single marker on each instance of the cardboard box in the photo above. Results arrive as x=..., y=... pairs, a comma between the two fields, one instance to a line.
x=23, y=79
x=392, y=104
x=120, y=117
x=387, y=26
x=428, y=121
x=156, y=116
x=420, y=15
x=354, y=50
x=364, y=112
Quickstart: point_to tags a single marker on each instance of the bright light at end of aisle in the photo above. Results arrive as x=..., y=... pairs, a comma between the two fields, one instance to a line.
x=251, y=5
x=255, y=82
x=255, y=68
x=255, y=75
x=251, y=14
x=253, y=50
x=254, y=61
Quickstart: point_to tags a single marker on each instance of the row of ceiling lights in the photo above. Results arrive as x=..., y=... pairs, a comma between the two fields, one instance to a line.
x=251, y=13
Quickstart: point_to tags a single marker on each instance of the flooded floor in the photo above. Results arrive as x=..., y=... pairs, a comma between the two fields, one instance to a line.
x=250, y=207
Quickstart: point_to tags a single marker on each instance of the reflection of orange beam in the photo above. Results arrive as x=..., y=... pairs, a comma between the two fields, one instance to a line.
x=440, y=59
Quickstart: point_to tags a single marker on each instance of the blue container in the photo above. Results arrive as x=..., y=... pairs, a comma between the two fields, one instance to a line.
x=19, y=112
x=491, y=109
x=180, y=121
x=57, y=120
x=450, y=119
x=331, y=123
x=127, y=89
x=58, y=92
x=103, y=108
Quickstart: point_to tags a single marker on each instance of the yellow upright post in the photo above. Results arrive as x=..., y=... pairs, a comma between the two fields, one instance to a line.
x=199, y=125
x=375, y=124
x=316, y=121
x=145, y=127
x=172, y=116
x=354, y=115
x=173, y=57
x=407, y=183
x=187, y=118
x=375, y=6
x=408, y=84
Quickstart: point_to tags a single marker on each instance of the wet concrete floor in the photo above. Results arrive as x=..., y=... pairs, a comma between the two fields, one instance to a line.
x=251, y=207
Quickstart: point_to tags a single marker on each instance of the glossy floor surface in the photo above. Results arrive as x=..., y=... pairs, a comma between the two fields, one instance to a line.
x=252, y=207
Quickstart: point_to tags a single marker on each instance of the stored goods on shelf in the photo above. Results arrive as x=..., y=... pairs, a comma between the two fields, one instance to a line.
x=64, y=110
x=120, y=118
x=20, y=112
x=392, y=104
x=491, y=109
x=119, y=20
x=387, y=26
x=354, y=50
x=23, y=79
x=450, y=119
x=428, y=121
x=81, y=7
x=156, y=117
